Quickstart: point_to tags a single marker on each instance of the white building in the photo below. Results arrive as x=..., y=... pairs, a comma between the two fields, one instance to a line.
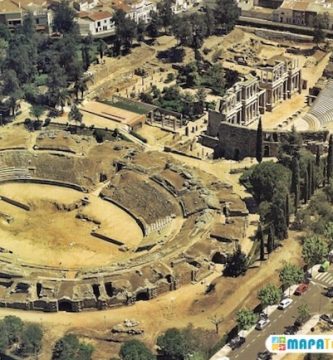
x=140, y=10
x=98, y=23
x=85, y=5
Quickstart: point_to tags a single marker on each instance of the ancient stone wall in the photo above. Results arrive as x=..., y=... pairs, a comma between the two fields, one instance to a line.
x=237, y=142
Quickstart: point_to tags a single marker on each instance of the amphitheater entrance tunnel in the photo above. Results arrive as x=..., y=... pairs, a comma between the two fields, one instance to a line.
x=219, y=258
x=142, y=295
x=65, y=305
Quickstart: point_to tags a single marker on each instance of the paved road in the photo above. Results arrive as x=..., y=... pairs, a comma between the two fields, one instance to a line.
x=325, y=278
x=255, y=341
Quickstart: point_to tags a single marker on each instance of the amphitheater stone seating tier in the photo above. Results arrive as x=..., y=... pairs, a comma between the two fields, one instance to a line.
x=322, y=108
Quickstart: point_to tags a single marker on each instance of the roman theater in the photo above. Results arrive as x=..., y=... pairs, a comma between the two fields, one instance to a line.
x=88, y=225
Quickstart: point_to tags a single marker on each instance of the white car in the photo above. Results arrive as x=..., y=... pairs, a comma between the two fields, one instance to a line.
x=262, y=323
x=285, y=303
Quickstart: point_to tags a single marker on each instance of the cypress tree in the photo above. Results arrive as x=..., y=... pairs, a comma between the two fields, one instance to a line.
x=330, y=158
x=306, y=187
x=287, y=210
x=259, y=144
x=318, y=156
x=310, y=177
x=260, y=237
x=313, y=179
x=295, y=180
x=324, y=172
x=270, y=240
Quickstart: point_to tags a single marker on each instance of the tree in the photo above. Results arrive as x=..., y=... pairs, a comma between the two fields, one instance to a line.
x=69, y=347
x=13, y=327
x=165, y=13
x=80, y=86
x=306, y=193
x=318, y=156
x=314, y=250
x=328, y=233
x=36, y=111
x=318, y=33
x=215, y=79
x=75, y=114
x=303, y=312
x=330, y=158
x=259, y=142
x=210, y=20
x=85, y=54
x=182, y=30
x=56, y=81
x=262, y=179
x=236, y=264
x=277, y=215
x=31, y=339
x=287, y=211
x=154, y=25
x=63, y=98
x=269, y=295
x=172, y=344
x=216, y=320
x=126, y=30
x=260, y=239
x=295, y=180
x=4, y=341
x=29, y=25
x=135, y=350
x=270, y=240
x=246, y=318
x=141, y=29
x=289, y=147
x=11, y=83
x=226, y=14
x=290, y=274
x=63, y=20
x=310, y=183
x=201, y=96
x=101, y=48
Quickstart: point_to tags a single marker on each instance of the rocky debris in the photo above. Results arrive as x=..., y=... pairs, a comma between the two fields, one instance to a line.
x=127, y=327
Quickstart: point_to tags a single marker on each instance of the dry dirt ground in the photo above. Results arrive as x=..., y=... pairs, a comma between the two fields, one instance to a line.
x=175, y=309
x=49, y=236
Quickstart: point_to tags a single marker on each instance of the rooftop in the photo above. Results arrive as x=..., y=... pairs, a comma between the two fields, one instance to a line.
x=95, y=15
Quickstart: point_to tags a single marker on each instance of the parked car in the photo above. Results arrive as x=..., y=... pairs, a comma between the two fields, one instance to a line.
x=291, y=330
x=263, y=315
x=262, y=323
x=326, y=318
x=324, y=266
x=301, y=289
x=285, y=303
x=265, y=355
x=237, y=342
x=329, y=293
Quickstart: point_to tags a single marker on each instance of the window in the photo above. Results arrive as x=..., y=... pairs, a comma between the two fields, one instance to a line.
x=98, y=23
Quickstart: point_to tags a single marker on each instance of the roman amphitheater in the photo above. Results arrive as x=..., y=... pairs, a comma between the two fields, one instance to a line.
x=87, y=225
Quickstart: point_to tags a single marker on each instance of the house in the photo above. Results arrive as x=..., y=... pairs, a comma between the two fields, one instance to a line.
x=85, y=5
x=304, y=12
x=179, y=6
x=96, y=23
x=140, y=10
x=12, y=13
